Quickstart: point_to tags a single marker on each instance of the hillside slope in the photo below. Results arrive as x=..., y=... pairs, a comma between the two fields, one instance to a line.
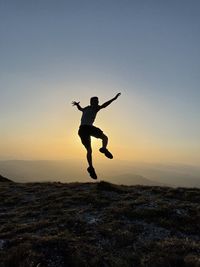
x=98, y=224
x=4, y=179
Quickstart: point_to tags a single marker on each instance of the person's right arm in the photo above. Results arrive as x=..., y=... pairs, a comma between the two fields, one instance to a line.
x=74, y=103
x=104, y=105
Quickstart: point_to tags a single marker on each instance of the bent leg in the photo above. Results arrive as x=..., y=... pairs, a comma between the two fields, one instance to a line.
x=98, y=133
x=104, y=149
x=104, y=141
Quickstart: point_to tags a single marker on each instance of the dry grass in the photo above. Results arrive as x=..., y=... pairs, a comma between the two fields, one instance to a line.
x=105, y=225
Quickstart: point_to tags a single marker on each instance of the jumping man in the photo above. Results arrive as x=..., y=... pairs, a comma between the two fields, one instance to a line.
x=87, y=129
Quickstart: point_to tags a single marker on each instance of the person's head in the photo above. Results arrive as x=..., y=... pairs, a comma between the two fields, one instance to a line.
x=94, y=101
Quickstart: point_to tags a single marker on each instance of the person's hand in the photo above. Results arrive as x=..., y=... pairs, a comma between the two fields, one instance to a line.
x=74, y=103
x=117, y=95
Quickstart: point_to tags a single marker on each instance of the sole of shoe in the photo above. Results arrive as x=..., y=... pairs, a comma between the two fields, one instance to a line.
x=92, y=173
x=106, y=153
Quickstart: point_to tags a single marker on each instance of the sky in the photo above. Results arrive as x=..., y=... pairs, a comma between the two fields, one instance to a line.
x=54, y=52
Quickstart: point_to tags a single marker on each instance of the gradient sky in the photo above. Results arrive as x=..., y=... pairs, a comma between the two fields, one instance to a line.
x=53, y=52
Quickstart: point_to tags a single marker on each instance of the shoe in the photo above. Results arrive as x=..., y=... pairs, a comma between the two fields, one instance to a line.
x=92, y=172
x=106, y=152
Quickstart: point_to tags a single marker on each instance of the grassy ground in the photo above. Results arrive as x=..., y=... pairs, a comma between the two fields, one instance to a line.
x=98, y=224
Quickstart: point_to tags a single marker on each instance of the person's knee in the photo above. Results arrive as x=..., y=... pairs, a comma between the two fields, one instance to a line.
x=104, y=137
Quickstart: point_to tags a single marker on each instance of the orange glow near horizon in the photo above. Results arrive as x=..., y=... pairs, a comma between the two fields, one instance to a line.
x=52, y=132
x=70, y=147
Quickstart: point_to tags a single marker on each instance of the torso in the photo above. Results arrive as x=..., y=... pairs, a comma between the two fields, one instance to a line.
x=89, y=115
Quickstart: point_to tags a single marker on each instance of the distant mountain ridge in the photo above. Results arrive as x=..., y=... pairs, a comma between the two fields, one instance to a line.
x=135, y=179
x=75, y=171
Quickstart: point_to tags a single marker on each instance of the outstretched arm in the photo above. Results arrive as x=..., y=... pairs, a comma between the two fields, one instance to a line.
x=74, y=103
x=104, y=105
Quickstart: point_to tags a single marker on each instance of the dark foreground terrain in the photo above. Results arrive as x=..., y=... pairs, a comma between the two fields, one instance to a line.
x=98, y=224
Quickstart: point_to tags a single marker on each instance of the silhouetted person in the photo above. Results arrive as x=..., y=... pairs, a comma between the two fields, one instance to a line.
x=87, y=129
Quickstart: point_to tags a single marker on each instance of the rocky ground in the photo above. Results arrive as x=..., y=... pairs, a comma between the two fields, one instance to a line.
x=98, y=224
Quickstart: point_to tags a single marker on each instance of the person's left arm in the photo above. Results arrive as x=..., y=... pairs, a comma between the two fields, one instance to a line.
x=104, y=105
x=77, y=104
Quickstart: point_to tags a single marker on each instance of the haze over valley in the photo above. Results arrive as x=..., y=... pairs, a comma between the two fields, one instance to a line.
x=120, y=172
